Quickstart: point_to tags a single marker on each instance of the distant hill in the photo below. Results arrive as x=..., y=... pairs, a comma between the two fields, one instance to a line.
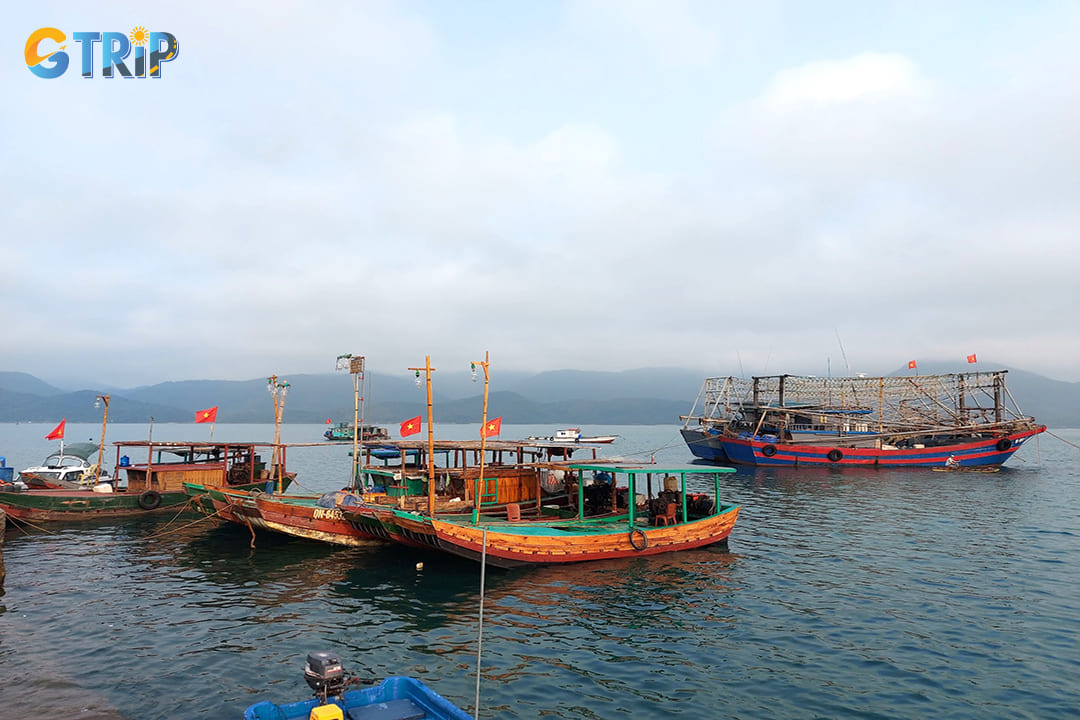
x=643, y=396
x=20, y=382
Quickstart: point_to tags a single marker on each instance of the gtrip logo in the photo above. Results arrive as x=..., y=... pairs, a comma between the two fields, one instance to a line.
x=46, y=58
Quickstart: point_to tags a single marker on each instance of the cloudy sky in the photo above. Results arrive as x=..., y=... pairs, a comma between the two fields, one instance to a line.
x=602, y=184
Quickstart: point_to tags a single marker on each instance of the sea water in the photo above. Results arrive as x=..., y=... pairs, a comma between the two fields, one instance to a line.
x=842, y=593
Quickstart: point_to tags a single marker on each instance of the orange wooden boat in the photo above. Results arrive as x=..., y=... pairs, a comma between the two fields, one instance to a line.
x=601, y=523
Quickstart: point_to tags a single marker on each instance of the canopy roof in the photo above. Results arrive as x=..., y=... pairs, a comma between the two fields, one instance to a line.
x=79, y=450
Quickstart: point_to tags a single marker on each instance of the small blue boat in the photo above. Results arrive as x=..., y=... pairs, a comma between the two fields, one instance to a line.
x=395, y=698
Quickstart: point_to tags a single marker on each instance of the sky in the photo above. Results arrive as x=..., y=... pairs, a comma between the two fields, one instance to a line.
x=598, y=184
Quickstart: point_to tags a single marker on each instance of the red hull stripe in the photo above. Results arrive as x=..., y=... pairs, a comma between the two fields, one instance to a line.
x=810, y=454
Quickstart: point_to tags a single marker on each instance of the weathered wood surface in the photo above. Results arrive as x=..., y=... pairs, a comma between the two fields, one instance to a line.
x=588, y=543
x=3, y=526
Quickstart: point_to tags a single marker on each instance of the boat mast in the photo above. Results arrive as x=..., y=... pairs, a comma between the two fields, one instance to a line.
x=280, y=391
x=101, y=445
x=483, y=435
x=355, y=366
x=430, y=433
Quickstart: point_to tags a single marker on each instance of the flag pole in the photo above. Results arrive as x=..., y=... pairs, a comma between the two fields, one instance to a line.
x=430, y=432
x=483, y=436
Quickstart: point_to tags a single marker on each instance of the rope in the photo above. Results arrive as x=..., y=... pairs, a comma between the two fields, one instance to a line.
x=247, y=521
x=20, y=522
x=480, y=628
x=1063, y=440
x=168, y=531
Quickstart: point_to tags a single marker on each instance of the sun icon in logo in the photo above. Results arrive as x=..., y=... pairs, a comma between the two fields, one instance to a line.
x=138, y=35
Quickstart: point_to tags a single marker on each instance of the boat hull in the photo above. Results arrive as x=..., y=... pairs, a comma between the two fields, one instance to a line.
x=301, y=517
x=706, y=446
x=72, y=505
x=981, y=452
x=394, y=525
x=539, y=543
x=394, y=697
x=36, y=506
x=234, y=505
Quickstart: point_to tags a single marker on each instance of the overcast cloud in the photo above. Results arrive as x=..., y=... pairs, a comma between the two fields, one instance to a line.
x=591, y=185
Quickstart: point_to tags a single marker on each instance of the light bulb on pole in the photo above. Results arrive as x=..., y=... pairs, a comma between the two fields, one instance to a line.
x=355, y=365
x=279, y=389
x=431, y=432
x=98, y=402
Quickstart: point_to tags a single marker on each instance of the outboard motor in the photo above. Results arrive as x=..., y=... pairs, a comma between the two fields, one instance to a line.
x=325, y=675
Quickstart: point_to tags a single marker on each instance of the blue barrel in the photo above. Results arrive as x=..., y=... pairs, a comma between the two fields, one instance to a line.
x=6, y=474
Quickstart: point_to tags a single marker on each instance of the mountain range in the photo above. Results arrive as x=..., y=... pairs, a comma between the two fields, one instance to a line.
x=645, y=396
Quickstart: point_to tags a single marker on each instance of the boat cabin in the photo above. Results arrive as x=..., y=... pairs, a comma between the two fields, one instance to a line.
x=511, y=475
x=166, y=466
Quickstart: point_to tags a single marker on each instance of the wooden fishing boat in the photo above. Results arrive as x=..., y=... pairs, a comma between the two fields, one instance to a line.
x=390, y=479
x=309, y=516
x=395, y=698
x=904, y=421
x=600, y=523
x=154, y=485
x=598, y=520
x=344, y=431
x=396, y=491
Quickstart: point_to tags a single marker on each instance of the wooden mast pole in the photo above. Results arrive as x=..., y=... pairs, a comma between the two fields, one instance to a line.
x=485, y=364
x=355, y=365
x=101, y=444
x=280, y=390
x=430, y=433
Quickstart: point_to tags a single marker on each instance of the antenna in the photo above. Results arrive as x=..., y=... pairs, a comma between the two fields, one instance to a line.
x=742, y=373
x=842, y=353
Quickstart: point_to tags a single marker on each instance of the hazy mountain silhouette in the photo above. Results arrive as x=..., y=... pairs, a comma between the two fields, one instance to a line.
x=642, y=396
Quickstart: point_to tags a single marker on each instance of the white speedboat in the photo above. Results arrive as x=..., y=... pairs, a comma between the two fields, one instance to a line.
x=573, y=435
x=72, y=466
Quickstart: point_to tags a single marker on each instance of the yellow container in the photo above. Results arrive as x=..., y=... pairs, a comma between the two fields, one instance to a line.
x=326, y=712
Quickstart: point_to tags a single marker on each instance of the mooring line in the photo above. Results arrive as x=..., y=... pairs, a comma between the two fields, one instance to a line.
x=1063, y=440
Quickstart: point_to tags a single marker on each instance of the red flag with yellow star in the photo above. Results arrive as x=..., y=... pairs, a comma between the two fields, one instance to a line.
x=491, y=427
x=58, y=431
x=207, y=416
x=410, y=427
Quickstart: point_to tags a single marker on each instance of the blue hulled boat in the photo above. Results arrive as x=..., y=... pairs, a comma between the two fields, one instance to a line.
x=960, y=419
x=395, y=698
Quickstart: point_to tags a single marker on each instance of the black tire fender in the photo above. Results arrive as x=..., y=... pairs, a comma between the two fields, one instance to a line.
x=768, y=450
x=835, y=455
x=150, y=500
x=644, y=539
x=1004, y=444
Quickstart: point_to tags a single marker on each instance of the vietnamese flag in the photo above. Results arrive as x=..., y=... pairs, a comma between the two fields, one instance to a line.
x=911, y=365
x=207, y=416
x=971, y=358
x=58, y=431
x=327, y=421
x=410, y=427
x=491, y=427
